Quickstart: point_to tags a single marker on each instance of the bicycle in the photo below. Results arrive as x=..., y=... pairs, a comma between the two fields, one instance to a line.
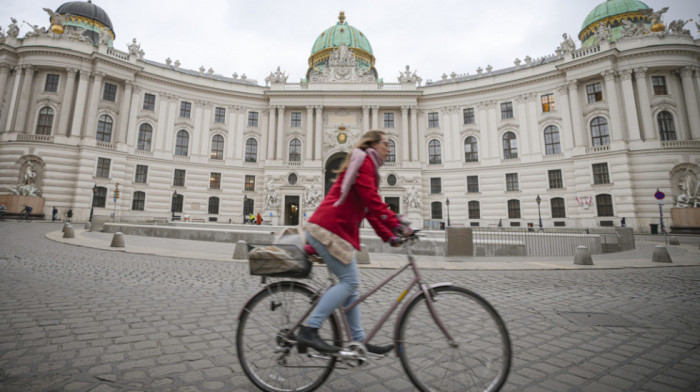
x=448, y=338
x=24, y=215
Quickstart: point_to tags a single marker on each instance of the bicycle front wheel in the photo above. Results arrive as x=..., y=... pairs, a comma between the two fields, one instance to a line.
x=478, y=358
x=266, y=350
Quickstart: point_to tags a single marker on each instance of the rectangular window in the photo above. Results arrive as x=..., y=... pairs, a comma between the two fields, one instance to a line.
x=139, y=201
x=659, y=85
x=252, y=119
x=468, y=116
x=555, y=179
x=594, y=92
x=141, y=174
x=600, y=173
x=436, y=210
x=149, y=102
x=179, y=178
x=474, y=212
x=51, y=85
x=548, y=103
x=506, y=110
x=185, y=109
x=220, y=115
x=433, y=120
x=472, y=184
x=250, y=183
x=103, y=167
x=512, y=182
x=558, y=210
x=296, y=119
x=215, y=181
x=110, y=93
x=388, y=120
x=435, y=185
x=514, y=210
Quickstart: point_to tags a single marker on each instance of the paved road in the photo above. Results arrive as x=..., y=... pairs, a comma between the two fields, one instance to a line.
x=82, y=319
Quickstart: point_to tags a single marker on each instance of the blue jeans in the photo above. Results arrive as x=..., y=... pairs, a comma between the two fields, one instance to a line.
x=343, y=293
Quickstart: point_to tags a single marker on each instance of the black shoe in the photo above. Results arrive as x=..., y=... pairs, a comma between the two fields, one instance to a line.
x=308, y=337
x=379, y=350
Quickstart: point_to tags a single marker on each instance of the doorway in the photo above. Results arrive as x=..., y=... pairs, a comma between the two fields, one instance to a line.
x=393, y=203
x=291, y=210
x=331, y=166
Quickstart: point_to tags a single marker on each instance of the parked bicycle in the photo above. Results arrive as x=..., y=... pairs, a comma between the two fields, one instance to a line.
x=448, y=338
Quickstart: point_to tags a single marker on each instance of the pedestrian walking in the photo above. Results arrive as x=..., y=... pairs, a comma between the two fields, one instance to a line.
x=69, y=214
x=54, y=214
x=258, y=219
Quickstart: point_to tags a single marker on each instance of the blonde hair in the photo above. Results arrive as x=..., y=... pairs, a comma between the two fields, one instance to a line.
x=366, y=141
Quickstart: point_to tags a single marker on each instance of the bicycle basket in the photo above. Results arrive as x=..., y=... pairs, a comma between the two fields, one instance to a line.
x=278, y=260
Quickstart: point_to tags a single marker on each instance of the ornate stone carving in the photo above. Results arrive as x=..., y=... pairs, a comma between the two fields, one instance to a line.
x=626, y=74
x=688, y=189
x=13, y=28
x=312, y=196
x=603, y=33
x=408, y=77
x=272, y=199
x=29, y=180
x=342, y=68
x=567, y=45
x=413, y=199
x=276, y=77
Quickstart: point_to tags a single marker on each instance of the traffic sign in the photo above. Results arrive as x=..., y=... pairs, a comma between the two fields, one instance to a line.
x=659, y=195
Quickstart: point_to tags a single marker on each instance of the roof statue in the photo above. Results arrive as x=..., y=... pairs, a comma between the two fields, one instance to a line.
x=408, y=77
x=276, y=77
x=567, y=45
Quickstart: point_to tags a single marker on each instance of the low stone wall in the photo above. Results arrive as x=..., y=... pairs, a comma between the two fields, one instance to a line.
x=685, y=220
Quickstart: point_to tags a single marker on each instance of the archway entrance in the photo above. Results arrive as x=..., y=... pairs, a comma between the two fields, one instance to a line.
x=291, y=210
x=331, y=166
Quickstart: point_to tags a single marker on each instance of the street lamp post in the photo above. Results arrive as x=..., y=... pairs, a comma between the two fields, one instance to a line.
x=447, y=202
x=245, y=217
x=92, y=204
x=539, y=212
x=172, y=206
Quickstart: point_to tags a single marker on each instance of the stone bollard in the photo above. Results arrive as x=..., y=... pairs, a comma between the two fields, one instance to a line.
x=661, y=255
x=240, y=250
x=583, y=256
x=68, y=232
x=673, y=241
x=88, y=227
x=118, y=240
x=65, y=224
x=362, y=257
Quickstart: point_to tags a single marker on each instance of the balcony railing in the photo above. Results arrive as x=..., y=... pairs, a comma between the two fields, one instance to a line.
x=35, y=138
x=108, y=146
x=680, y=144
x=585, y=52
x=597, y=149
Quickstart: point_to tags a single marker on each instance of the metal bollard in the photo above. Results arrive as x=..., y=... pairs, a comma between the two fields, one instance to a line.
x=362, y=257
x=118, y=240
x=68, y=232
x=661, y=255
x=240, y=250
x=583, y=256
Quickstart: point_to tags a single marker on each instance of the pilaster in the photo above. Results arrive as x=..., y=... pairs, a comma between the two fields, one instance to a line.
x=64, y=117
x=691, y=101
x=630, y=105
x=647, y=125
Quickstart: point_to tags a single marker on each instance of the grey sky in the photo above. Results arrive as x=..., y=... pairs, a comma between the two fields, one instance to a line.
x=254, y=37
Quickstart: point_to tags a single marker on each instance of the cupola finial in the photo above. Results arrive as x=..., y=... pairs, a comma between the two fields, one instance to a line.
x=341, y=17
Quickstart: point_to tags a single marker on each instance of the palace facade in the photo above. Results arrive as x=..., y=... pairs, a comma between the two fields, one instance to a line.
x=583, y=137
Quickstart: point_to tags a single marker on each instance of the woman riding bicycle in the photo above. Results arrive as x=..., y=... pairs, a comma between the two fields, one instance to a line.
x=334, y=234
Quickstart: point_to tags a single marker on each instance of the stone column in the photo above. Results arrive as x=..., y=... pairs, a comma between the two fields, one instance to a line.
x=580, y=138
x=24, y=99
x=521, y=116
x=647, y=126
x=613, y=105
x=131, y=134
x=265, y=124
x=280, y=134
x=414, y=134
x=198, y=136
x=365, y=118
x=691, y=102
x=375, y=116
x=318, y=138
x=495, y=141
x=630, y=105
x=404, y=134
x=271, y=132
x=124, y=113
x=66, y=102
x=567, y=134
x=91, y=116
x=483, y=147
x=4, y=73
x=239, y=129
x=167, y=133
x=309, y=142
x=422, y=143
x=4, y=109
x=535, y=135
x=234, y=139
x=80, y=101
x=206, y=109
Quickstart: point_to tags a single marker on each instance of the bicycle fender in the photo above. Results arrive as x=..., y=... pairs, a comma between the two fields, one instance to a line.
x=403, y=310
x=274, y=285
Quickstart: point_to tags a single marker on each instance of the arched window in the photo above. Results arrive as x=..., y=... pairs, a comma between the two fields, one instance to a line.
x=558, y=210
x=251, y=150
x=217, y=147
x=214, y=205
x=474, y=211
x=45, y=121
x=104, y=129
x=599, y=132
x=667, y=130
x=99, y=198
x=513, y=209
x=434, y=152
x=139, y=201
x=552, y=144
x=391, y=157
x=510, y=146
x=604, y=205
x=436, y=210
x=471, y=150
x=295, y=150
x=182, y=143
x=145, y=136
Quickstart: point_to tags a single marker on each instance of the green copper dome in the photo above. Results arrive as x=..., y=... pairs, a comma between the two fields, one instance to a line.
x=611, y=13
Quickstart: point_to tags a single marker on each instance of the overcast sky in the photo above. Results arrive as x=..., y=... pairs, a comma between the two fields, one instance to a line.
x=254, y=37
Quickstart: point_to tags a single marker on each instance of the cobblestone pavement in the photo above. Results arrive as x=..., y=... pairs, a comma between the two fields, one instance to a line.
x=81, y=319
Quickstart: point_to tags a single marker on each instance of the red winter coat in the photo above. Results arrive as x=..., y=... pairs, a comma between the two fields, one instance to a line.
x=363, y=201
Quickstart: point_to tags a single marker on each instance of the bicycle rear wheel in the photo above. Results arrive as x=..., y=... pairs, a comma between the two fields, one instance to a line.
x=478, y=359
x=268, y=357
